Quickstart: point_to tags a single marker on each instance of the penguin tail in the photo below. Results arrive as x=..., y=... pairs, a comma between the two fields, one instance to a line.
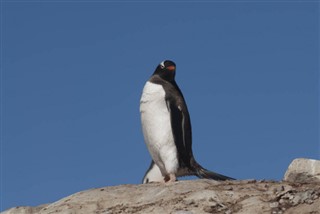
x=204, y=173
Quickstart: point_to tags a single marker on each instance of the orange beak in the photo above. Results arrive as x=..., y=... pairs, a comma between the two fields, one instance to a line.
x=171, y=68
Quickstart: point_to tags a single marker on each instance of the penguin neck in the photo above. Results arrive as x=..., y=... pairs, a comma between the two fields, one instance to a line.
x=165, y=75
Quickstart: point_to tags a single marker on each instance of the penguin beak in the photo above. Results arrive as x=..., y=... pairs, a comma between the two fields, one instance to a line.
x=171, y=68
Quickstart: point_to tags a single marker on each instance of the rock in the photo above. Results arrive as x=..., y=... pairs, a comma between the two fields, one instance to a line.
x=188, y=197
x=303, y=171
x=298, y=193
x=25, y=210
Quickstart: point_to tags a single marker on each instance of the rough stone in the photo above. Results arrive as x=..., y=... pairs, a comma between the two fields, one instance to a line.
x=298, y=193
x=303, y=171
x=188, y=197
x=25, y=210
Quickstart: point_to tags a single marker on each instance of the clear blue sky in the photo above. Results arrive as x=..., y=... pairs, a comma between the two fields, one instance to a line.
x=73, y=72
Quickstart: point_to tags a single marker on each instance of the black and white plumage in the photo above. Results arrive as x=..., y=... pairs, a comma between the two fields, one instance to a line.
x=153, y=174
x=166, y=128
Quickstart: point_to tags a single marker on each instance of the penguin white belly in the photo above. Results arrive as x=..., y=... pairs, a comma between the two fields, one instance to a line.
x=156, y=127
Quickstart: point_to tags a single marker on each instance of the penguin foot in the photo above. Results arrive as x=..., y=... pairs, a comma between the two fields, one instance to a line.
x=170, y=178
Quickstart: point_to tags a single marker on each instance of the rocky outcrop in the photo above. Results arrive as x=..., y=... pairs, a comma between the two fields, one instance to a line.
x=190, y=197
x=187, y=197
x=303, y=171
x=26, y=209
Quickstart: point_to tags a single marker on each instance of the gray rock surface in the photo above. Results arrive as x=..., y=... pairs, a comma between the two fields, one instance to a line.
x=189, y=197
x=25, y=210
x=298, y=193
x=303, y=171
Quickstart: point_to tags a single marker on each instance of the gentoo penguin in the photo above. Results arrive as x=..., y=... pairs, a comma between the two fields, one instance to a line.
x=153, y=174
x=166, y=128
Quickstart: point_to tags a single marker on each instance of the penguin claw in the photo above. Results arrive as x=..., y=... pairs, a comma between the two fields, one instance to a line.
x=170, y=178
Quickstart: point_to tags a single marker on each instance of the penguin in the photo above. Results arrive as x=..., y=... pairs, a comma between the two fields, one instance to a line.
x=166, y=128
x=153, y=174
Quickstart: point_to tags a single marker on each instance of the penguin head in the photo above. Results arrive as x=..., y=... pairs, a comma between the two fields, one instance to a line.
x=166, y=70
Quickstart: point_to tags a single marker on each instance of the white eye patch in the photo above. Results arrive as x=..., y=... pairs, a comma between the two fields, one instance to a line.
x=162, y=64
